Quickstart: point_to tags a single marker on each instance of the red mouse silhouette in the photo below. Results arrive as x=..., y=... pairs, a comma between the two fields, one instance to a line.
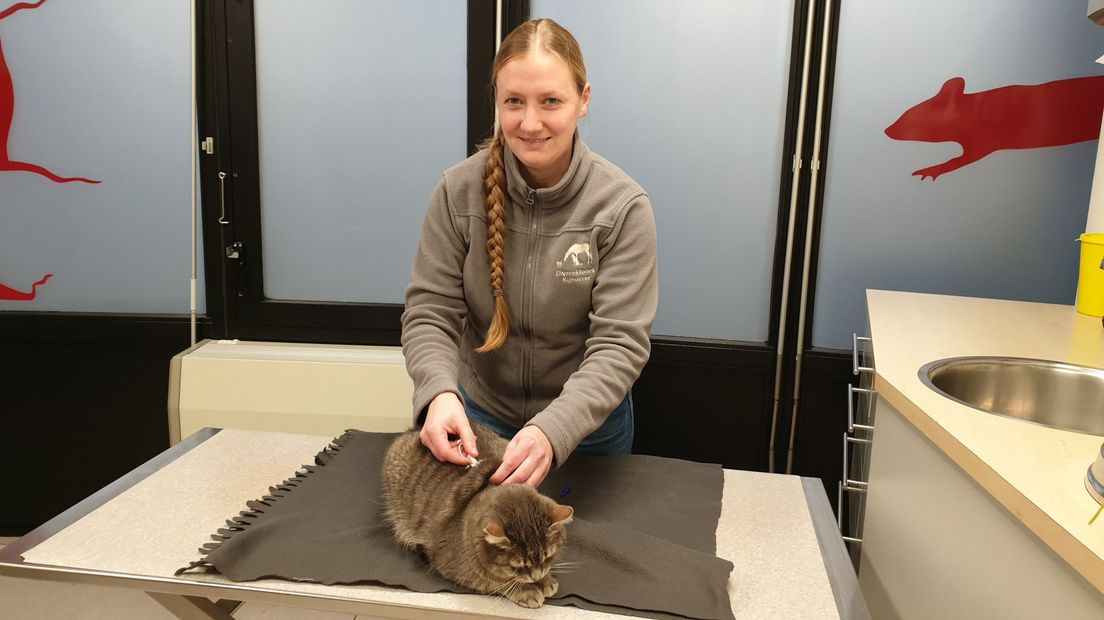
x=14, y=295
x=1010, y=117
x=7, y=111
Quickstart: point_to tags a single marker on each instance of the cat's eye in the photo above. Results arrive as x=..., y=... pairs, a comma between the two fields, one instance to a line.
x=517, y=563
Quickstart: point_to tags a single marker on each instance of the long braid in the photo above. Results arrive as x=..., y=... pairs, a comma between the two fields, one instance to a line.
x=546, y=35
x=494, y=190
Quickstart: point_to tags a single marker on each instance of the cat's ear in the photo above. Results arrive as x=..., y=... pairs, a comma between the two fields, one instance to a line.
x=495, y=533
x=561, y=515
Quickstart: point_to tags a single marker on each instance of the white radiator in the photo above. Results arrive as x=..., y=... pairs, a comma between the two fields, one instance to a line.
x=320, y=389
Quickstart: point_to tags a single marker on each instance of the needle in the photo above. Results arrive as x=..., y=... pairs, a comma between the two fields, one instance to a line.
x=472, y=461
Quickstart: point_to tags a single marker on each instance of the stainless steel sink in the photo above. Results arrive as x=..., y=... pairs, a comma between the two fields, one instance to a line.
x=1042, y=392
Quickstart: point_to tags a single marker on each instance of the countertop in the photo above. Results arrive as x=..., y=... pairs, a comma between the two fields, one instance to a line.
x=1035, y=472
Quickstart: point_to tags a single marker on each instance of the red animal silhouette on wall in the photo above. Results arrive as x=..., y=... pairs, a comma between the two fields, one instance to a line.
x=6, y=292
x=1011, y=117
x=7, y=112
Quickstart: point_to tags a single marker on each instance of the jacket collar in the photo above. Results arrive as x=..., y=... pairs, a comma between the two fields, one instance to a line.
x=560, y=193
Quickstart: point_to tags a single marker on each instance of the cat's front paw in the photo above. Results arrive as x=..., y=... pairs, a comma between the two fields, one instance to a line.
x=549, y=586
x=527, y=595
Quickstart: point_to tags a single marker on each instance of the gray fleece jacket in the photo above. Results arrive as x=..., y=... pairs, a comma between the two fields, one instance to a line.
x=580, y=285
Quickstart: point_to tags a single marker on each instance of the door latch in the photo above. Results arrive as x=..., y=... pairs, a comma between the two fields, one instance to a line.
x=235, y=250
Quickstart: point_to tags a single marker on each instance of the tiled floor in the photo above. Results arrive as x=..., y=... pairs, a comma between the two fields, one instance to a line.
x=25, y=599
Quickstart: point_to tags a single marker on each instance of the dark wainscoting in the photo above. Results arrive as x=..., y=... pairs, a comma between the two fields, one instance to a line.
x=84, y=402
x=707, y=402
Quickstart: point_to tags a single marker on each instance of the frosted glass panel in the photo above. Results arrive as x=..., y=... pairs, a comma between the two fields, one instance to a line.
x=689, y=98
x=1003, y=226
x=362, y=106
x=100, y=92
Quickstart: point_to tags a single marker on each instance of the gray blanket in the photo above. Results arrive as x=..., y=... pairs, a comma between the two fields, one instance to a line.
x=643, y=533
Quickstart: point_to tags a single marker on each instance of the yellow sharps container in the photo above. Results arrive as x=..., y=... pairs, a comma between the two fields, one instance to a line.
x=1090, y=281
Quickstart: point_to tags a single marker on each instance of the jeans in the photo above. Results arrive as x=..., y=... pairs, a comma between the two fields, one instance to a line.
x=615, y=436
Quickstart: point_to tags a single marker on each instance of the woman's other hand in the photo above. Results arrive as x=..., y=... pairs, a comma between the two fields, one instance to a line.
x=527, y=459
x=446, y=416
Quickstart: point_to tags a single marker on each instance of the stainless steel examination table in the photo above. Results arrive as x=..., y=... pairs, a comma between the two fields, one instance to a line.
x=777, y=530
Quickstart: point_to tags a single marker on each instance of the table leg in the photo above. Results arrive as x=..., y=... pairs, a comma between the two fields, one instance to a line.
x=190, y=607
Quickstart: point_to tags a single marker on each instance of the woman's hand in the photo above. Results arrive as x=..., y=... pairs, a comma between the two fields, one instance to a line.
x=527, y=459
x=446, y=416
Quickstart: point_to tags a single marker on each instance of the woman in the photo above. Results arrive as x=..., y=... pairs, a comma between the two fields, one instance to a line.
x=534, y=286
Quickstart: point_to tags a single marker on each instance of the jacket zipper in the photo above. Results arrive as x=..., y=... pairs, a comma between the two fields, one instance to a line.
x=527, y=304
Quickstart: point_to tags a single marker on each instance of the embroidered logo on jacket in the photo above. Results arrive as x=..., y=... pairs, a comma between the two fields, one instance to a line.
x=577, y=265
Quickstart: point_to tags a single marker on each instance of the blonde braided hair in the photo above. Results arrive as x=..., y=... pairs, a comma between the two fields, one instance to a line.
x=551, y=37
x=494, y=190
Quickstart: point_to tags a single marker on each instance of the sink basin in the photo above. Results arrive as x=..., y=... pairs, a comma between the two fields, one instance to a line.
x=1043, y=392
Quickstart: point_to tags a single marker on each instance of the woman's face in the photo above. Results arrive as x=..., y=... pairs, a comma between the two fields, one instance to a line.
x=538, y=107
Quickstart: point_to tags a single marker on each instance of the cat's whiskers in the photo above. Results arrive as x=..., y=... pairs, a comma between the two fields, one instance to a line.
x=500, y=590
x=502, y=593
x=562, y=568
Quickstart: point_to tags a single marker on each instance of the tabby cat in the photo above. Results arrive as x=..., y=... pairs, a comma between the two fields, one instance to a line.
x=493, y=539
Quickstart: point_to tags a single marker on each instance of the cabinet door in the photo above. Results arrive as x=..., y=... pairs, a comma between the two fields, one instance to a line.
x=935, y=543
